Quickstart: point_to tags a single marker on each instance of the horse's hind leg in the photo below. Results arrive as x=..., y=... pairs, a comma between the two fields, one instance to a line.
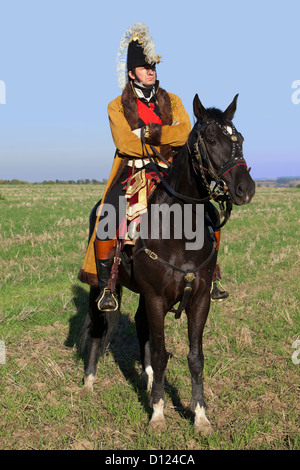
x=197, y=315
x=143, y=335
x=90, y=372
x=102, y=327
x=98, y=329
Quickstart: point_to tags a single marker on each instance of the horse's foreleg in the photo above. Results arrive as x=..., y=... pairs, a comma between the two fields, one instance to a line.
x=159, y=360
x=197, y=315
x=143, y=335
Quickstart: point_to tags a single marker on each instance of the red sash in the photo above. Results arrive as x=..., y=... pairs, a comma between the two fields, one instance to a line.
x=146, y=114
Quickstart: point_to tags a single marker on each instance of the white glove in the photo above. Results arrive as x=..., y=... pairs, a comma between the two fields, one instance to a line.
x=137, y=132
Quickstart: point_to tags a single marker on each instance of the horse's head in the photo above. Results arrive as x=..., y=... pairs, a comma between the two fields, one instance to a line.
x=221, y=151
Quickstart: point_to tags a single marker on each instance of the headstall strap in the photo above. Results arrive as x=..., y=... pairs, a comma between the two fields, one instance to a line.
x=235, y=160
x=201, y=155
x=218, y=193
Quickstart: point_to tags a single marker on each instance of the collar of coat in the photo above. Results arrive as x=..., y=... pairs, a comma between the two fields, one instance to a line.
x=129, y=104
x=145, y=93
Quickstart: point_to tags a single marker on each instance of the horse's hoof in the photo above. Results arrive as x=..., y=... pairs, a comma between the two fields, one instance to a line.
x=85, y=391
x=158, y=422
x=158, y=425
x=203, y=427
x=201, y=424
x=88, y=385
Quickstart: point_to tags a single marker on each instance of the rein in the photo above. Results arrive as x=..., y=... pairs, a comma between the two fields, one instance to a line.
x=163, y=181
x=219, y=193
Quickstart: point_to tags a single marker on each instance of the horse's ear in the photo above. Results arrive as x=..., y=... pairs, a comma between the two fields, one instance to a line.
x=199, y=110
x=229, y=113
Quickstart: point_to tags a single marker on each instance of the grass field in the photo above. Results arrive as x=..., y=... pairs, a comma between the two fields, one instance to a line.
x=251, y=382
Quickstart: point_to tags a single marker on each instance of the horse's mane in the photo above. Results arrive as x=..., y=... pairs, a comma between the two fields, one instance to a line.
x=214, y=114
x=217, y=115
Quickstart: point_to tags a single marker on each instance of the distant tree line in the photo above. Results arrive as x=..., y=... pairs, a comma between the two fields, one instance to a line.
x=81, y=181
x=284, y=180
x=281, y=182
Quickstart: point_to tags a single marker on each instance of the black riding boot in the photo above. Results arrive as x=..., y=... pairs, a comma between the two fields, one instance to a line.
x=217, y=293
x=107, y=300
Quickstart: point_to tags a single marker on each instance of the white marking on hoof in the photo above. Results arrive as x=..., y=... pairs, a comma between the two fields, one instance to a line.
x=201, y=423
x=147, y=374
x=158, y=422
x=88, y=387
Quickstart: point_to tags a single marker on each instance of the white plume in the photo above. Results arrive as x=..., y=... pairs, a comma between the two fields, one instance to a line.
x=148, y=49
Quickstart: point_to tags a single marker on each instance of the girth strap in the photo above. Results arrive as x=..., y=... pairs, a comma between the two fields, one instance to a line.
x=189, y=276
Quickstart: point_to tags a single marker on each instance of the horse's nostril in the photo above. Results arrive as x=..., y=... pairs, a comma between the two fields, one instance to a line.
x=241, y=190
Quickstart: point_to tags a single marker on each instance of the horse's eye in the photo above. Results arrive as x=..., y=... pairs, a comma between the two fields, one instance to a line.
x=211, y=141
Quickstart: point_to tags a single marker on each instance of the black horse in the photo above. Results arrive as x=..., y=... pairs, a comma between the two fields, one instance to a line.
x=164, y=272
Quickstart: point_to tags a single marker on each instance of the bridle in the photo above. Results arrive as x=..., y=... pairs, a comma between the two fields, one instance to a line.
x=203, y=159
x=202, y=162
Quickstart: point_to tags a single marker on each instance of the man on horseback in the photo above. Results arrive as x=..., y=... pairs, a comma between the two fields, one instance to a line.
x=144, y=115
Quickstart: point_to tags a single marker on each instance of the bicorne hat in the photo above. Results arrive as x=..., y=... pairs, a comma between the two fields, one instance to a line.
x=136, y=50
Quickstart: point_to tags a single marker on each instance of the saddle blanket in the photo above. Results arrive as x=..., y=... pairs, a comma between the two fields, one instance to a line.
x=139, y=188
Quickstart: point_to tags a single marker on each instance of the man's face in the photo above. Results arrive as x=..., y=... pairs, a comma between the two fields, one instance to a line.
x=145, y=75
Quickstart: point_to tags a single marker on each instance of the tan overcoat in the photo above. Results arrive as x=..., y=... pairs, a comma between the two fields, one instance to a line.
x=123, y=119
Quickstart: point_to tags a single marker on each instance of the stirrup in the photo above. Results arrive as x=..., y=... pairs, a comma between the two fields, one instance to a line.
x=218, y=294
x=107, y=302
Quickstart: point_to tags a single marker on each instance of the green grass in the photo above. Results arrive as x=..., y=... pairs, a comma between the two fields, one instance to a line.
x=251, y=383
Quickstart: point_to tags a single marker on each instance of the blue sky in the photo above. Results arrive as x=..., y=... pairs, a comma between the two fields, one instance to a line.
x=58, y=66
